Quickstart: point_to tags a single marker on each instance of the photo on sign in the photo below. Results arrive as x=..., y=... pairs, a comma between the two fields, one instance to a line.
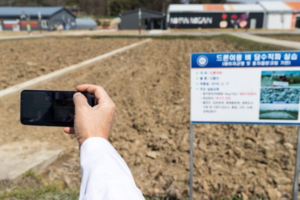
x=279, y=111
x=280, y=79
x=279, y=95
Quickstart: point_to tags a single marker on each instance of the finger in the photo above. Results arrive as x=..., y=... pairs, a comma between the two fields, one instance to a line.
x=69, y=130
x=79, y=100
x=98, y=91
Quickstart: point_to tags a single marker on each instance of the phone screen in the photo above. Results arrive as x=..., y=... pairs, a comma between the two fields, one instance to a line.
x=49, y=108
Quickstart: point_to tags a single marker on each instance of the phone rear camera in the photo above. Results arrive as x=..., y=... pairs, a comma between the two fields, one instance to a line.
x=48, y=97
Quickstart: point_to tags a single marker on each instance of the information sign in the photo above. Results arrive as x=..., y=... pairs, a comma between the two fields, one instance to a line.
x=246, y=88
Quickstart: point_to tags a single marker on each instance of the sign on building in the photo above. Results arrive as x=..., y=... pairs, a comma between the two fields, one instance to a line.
x=246, y=88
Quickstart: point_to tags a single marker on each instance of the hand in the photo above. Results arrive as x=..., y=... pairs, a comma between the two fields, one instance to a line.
x=90, y=121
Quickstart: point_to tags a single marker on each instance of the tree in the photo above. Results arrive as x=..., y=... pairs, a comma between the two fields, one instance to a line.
x=94, y=7
x=106, y=7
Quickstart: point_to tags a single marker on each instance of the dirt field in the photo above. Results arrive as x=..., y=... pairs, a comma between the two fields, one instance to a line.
x=21, y=60
x=150, y=86
x=289, y=37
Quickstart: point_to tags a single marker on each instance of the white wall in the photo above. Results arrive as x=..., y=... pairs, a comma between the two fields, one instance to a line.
x=279, y=21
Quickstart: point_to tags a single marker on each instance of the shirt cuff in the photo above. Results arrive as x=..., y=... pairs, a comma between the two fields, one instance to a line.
x=91, y=147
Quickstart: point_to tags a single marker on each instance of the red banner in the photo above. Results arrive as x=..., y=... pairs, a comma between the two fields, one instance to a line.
x=33, y=24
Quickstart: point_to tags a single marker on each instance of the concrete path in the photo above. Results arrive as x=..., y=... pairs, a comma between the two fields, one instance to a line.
x=17, y=37
x=284, y=43
x=20, y=157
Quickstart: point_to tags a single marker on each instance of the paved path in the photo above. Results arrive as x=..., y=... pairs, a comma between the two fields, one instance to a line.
x=284, y=43
x=18, y=157
x=14, y=37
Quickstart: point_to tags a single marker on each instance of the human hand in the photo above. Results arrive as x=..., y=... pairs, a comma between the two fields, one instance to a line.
x=90, y=121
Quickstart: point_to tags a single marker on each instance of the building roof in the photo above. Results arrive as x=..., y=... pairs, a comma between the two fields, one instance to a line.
x=293, y=5
x=244, y=7
x=32, y=11
x=279, y=6
x=185, y=8
x=143, y=10
x=215, y=8
x=85, y=23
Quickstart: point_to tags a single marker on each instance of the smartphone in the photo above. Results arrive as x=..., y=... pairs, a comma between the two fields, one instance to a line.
x=49, y=108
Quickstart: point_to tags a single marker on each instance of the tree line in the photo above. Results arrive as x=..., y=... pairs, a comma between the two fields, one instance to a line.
x=106, y=7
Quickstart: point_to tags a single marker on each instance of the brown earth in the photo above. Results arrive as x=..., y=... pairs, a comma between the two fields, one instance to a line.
x=150, y=86
x=21, y=60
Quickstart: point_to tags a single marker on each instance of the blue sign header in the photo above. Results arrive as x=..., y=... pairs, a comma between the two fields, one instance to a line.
x=245, y=59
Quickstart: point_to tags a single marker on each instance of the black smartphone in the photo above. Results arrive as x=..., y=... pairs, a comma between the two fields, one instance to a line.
x=49, y=108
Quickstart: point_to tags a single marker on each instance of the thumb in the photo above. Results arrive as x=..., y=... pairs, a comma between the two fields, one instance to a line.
x=79, y=100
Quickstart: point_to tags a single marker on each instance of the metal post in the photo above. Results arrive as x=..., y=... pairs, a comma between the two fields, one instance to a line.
x=191, y=159
x=295, y=188
x=140, y=21
x=40, y=21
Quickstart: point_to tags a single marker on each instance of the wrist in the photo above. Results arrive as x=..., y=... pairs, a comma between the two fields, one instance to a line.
x=81, y=140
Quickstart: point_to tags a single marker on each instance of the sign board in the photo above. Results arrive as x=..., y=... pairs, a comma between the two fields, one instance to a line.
x=246, y=88
x=214, y=20
x=10, y=23
x=33, y=24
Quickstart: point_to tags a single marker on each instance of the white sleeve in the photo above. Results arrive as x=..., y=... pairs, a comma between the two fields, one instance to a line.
x=105, y=175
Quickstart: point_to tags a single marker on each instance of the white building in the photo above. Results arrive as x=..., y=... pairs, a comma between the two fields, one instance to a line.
x=265, y=14
x=281, y=15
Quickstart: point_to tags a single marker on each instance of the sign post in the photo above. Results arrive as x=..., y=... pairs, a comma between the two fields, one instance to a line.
x=40, y=21
x=246, y=88
x=191, y=159
x=297, y=164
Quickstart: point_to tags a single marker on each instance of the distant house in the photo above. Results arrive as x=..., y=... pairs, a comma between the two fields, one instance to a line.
x=281, y=15
x=149, y=20
x=45, y=18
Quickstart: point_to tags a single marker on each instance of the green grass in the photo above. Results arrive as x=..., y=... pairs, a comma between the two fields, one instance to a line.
x=32, y=186
x=44, y=192
x=239, y=43
x=279, y=35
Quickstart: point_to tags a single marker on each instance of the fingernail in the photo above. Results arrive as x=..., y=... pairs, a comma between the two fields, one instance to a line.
x=76, y=94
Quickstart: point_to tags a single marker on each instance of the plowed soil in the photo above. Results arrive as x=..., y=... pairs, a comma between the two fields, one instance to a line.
x=21, y=60
x=150, y=86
